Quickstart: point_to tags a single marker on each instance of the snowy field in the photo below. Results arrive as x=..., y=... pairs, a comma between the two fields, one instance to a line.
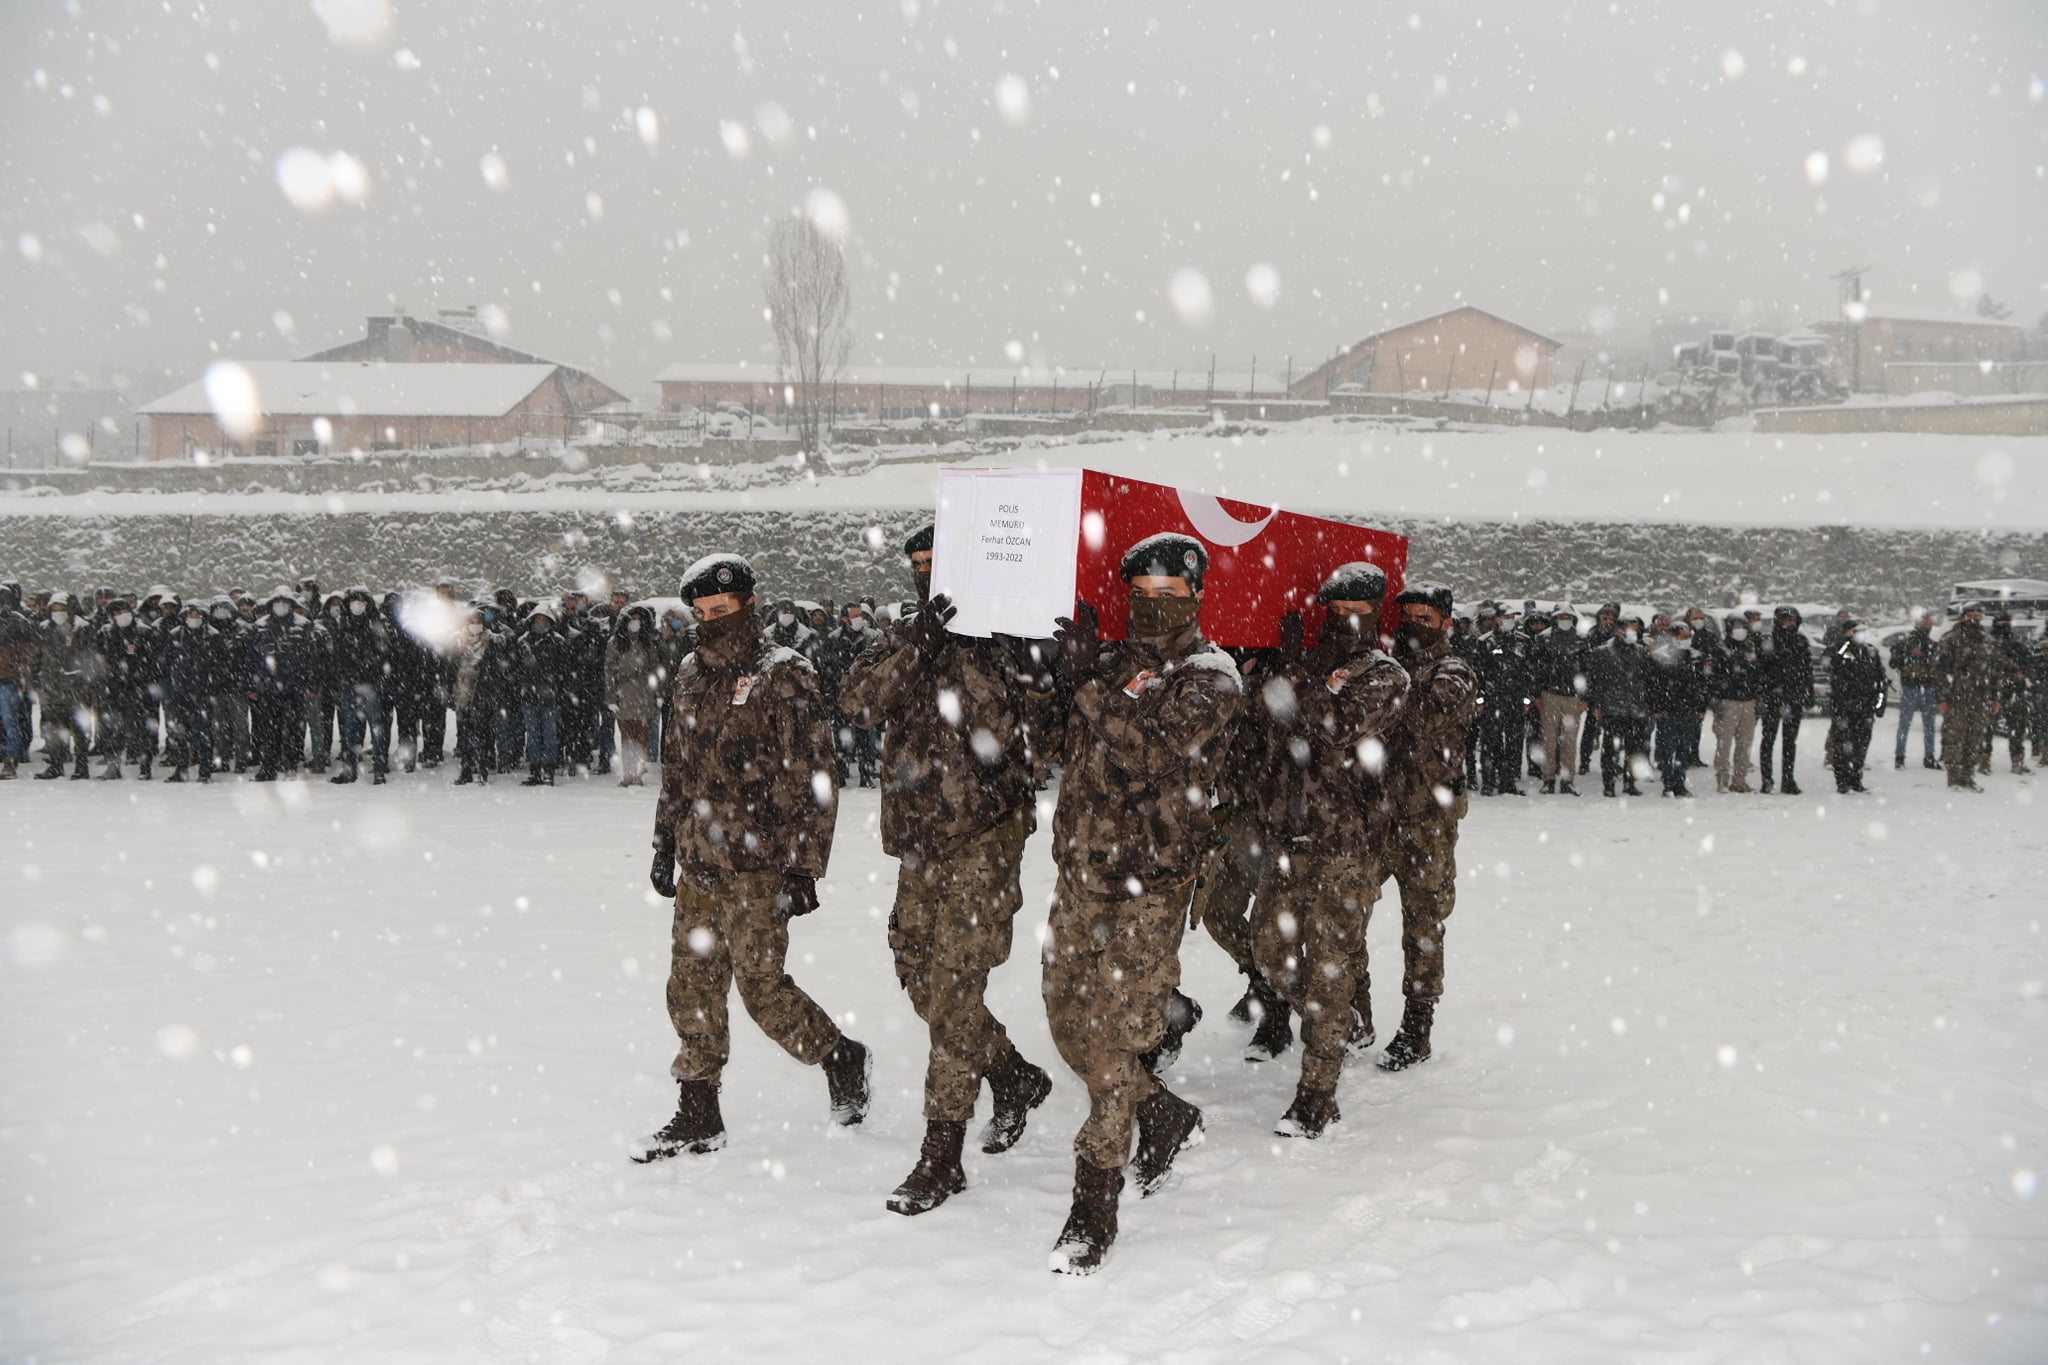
x=1326, y=466
x=298, y=1073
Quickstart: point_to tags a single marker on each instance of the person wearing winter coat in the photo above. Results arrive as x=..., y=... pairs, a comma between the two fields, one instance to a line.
x=1606, y=624
x=1919, y=675
x=319, y=621
x=742, y=832
x=546, y=677
x=1738, y=673
x=409, y=687
x=192, y=665
x=1971, y=670
x=17, y=649
x=281, y=679
x=1857, y=685
x=1147, y=723
x=1503, y=670
x=2013, y=690
x=1558, y=664
x=633, y=681
x=228, y=709
x=65, y=671
x=362, y=657
x=130, y=692
x=1326, y=710
x=473, y=682
x=959, y=802
x=1679, y=692
x=1619, y=677
x=1785, y=690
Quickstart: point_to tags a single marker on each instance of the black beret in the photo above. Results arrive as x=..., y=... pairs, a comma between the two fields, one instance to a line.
x=1166, y=555
x=920, y=540
x=714, y=575
x=1354, y=582
x=1424, y=593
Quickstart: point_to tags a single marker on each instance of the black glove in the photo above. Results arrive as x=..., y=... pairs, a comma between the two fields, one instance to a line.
x=929, y=631
x=662, y=876
x=1080, y=643
x=1031, y=661
x=799, y=896
x=1292, y=635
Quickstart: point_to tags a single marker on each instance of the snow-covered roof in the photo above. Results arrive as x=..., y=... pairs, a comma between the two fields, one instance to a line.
x=1461, y=308
x=1190, y=380
x=1926, y=316
x=298, y=388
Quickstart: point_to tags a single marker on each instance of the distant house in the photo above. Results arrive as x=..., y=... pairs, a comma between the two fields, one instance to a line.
x=1932, y=352
x=305, y=407
x=911, y=391
x=459, y=337
x=1460, y=349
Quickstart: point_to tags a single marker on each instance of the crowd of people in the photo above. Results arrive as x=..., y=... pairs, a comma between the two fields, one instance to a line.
x=306, y=681
x=1637, y=693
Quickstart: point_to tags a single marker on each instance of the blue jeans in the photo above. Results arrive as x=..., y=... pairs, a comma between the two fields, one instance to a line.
x=543, y=736
x=360, y=703
x=1916, y=701
x=13, y=725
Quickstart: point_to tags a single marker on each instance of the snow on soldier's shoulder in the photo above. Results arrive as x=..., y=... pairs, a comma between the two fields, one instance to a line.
x=782, y=656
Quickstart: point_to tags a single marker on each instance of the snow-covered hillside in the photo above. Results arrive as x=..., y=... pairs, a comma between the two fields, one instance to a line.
x=299, y=1073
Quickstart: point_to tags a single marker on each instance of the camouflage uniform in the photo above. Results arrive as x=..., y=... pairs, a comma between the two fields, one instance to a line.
x=747, y=794
x=959, y=800
x=1236, y=858
x=1968, y=670
x=1421, y=796
x=1328, y=712
x=1129, y=833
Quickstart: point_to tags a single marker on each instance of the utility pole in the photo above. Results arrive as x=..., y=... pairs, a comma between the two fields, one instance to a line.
x=1492, y=375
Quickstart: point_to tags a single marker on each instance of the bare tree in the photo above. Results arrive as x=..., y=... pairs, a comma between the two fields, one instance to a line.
x=810, y=306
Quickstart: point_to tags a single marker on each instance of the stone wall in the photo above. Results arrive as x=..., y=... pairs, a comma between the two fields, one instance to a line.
x=846, y=552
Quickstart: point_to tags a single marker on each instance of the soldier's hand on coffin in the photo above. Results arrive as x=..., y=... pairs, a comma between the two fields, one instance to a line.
x=1080, y=642
x=929, y=632
x=1292, y=636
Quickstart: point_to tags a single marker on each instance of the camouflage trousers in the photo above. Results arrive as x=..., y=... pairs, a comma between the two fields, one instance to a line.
x=1110, y=966
x=1421, y=854
x=1965, y=740
x=949, y=929
x=1309, y=935
x=1229, y=877
x=726, y=929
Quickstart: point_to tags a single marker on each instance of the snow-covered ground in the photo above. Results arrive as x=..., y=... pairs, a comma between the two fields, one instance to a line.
x=305, y=1073
x=1326, y=465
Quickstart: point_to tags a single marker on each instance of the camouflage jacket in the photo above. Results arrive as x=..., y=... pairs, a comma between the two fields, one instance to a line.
x=1144, y=738
x=1241, y=776
x=957, y=757
x=1331, y=716
x=1426, y=750
x=1968, y=667
x=748, y=781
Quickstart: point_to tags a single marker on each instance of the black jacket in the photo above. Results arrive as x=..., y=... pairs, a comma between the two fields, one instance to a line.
x=1787, y=669
x=194, y=664
x=1856, y=679
x=546, y=668
x=1559, y=662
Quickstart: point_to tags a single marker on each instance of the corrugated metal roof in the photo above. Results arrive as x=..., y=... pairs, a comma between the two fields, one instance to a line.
x=298, y=388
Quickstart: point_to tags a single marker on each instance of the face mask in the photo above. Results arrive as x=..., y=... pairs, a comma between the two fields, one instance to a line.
x=673, y=623
x=1155, y=618
x=785, y=619
x=632, y=627
x=924, y=585
x=122, y=618
x=541, y=625
x=857, y=624
x=1342, y=626
x=193, y=623
x=60, y=617
x=221, y=614
x=1738, y=633
x=490, y=616
x=358, y=607
x=1630, y=636
x=1416, y=637
x=712, y=634
x=280, y=610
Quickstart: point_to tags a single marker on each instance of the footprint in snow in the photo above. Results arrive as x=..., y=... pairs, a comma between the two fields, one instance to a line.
x=1548, y=1170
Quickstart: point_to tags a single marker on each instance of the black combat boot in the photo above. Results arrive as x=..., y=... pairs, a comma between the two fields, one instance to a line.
x=52, y=771
x=1182, y=1014
x=697, y=1128
x=849, y=1069
x=1018, y=1088
x=79, y=771
x=937, y=1175
x=549, y=773
x=1091, y=1223
x=345, y=776
x=1629, y=787
x=1311, y=1113
x=1242, y=1010
x=112, y=772
x=1361, y=1037
x=465, y=777
x=177, y=774
x=206, y=772
x=1167, y=1126
x=1275, y=1033
x=1789, y=787
x=533, y=777
x=1411, y=1044
x=146, y=760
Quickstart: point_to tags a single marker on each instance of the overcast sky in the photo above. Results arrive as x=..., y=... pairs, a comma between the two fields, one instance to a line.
x=252, y=178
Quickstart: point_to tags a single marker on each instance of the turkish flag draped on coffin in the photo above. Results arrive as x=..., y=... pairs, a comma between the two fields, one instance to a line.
x=1014, y=548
